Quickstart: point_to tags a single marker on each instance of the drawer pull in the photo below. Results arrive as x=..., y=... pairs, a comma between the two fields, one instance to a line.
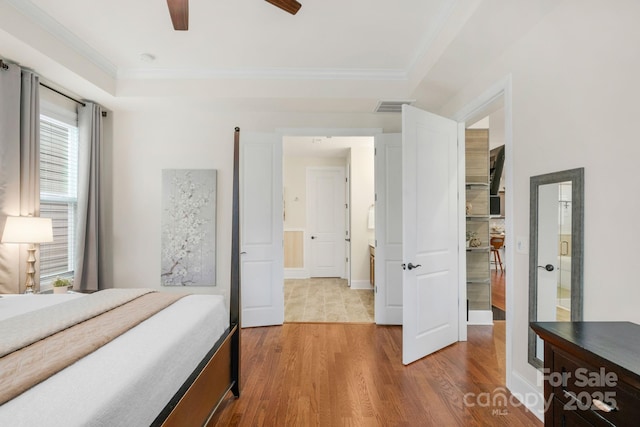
x=599, y=404
x=602, y=406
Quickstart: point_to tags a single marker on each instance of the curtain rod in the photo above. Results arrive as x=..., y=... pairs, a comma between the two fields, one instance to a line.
x=104, y=113
x=4, y=66
x=63, y=94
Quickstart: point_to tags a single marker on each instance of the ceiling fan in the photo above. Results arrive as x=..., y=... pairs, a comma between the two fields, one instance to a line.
x=179, y=11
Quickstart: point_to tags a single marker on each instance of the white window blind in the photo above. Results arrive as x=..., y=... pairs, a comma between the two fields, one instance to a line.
x=58, y=195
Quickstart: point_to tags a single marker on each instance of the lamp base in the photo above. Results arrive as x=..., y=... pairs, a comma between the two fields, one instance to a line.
x=31, y=270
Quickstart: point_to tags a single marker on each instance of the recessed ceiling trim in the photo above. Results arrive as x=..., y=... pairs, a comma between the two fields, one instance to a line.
x=53, y=27
x=263, y=73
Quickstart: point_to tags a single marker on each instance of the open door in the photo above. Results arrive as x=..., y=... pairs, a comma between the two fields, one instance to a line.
x=388, y=215
x=347, y=223
x=430, y=233
x=261, y=232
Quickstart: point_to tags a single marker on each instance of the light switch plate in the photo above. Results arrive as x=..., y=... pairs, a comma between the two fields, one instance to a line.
x=522, y=245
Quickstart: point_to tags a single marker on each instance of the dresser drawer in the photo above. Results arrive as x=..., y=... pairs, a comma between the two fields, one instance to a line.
x=567, y=418
x=597, y=394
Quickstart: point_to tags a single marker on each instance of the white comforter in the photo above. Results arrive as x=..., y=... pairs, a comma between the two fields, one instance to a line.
x=128, y=381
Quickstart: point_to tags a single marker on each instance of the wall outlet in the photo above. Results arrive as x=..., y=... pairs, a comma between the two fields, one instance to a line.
x=522, y=245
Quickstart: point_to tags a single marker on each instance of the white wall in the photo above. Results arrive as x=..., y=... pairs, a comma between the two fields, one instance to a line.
x=575, y=101
x=148, y=139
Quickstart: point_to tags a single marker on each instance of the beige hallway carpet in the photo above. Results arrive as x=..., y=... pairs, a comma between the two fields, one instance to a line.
x=326, y=300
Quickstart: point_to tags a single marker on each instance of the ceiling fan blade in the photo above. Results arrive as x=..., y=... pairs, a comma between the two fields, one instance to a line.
x=179, y=11
x=291, y=6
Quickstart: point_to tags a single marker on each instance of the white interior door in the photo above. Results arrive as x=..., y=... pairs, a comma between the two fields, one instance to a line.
x=261, y=233
x=388, y=215
x=326, y=221
x=430, y=233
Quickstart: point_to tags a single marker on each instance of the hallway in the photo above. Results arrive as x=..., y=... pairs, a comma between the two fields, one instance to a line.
x=326, y=300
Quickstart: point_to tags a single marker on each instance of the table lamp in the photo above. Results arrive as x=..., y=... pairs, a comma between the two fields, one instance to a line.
x=31, y=230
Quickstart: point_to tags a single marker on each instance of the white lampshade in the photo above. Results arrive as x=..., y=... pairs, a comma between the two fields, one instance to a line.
x=27, y=229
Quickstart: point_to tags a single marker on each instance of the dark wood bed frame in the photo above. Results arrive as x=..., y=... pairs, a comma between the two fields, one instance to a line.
x=219, y=371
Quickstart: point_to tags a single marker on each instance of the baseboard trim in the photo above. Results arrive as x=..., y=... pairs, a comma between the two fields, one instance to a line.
x=527, y=394
x=296, y=273
x=360, y=284
x=480, y=317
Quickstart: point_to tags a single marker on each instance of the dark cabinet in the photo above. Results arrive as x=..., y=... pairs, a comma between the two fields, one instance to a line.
x=591, y=373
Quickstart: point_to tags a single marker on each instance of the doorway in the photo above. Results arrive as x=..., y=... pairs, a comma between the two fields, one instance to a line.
x=493, y=124
x=496, y=97
x=326, y=276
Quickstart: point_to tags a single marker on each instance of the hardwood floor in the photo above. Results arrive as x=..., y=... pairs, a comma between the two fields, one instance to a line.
x=498, y=295
x=329, y=374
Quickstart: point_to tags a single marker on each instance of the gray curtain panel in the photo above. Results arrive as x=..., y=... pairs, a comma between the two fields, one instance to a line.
x=30, y=144
x=29, y=157
x=19, y=165
x=89, y=234
x=9, y=172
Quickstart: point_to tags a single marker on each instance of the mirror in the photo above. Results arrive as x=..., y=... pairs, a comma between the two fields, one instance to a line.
x=555, y=252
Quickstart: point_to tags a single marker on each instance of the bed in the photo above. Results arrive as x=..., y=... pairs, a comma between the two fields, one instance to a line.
x=170, y=369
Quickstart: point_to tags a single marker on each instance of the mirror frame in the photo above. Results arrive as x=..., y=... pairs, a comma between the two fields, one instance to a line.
x=576, y=176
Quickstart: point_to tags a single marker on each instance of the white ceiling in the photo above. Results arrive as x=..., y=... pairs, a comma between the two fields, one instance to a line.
x=251, y=34
x=333, y=56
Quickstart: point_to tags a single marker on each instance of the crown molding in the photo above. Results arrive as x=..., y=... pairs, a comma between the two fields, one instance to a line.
x=69, y=39
x=263, y=73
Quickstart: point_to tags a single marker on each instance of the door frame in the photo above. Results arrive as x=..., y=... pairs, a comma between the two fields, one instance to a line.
x=502, y=91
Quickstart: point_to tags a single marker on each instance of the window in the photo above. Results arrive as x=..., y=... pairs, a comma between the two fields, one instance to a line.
x=58, y=195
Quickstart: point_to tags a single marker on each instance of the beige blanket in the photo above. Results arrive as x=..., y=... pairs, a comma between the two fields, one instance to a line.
x=20, y=331
x=28, y=366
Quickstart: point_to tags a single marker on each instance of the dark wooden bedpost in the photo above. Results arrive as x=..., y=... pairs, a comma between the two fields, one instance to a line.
x=234, y=302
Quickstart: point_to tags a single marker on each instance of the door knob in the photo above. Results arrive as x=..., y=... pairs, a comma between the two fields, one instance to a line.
x=547, y=267
x=313, y=237
x=411, y=266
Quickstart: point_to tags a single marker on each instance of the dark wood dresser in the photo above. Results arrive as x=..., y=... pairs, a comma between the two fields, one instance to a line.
x=592, y=373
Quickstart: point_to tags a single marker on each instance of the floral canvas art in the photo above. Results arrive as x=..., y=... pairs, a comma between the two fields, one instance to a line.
x=188, y=227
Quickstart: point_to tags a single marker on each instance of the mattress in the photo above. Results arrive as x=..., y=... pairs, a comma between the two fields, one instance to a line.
x=128, y=381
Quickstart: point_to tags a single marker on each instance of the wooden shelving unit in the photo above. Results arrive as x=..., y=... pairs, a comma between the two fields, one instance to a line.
x=477, y=201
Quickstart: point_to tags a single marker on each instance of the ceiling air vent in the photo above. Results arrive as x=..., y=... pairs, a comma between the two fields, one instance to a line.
x=392, y=106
